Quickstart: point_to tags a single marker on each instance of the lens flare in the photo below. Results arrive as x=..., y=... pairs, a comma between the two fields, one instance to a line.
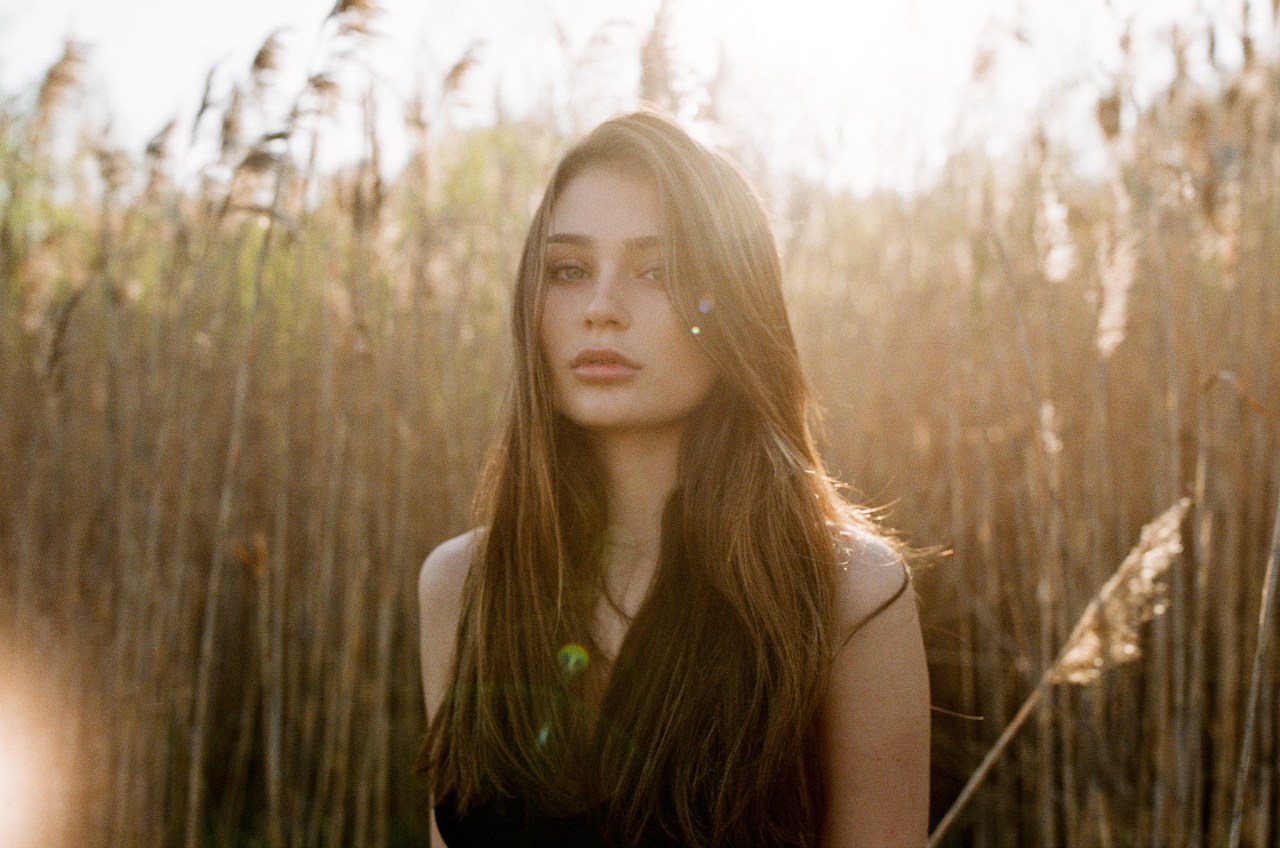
x=573, y=659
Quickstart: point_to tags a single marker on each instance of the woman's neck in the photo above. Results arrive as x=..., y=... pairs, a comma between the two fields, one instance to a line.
x=641, y=470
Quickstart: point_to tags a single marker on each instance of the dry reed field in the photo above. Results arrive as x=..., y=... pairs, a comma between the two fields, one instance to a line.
x=237, y=411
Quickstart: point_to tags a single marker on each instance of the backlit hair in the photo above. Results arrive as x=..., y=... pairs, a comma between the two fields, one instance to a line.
x=710, y=727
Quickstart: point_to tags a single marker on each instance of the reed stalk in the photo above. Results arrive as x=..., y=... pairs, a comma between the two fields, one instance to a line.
x=1266, y=615
x=230, y=481
x=271, y=606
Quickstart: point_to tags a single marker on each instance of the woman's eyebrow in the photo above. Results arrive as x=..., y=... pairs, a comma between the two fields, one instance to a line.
x=635, y=244
x=569, y=238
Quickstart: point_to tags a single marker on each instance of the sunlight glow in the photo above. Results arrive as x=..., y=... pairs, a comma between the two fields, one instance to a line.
x=18, y=800
x=32, y=796
x=859, y=94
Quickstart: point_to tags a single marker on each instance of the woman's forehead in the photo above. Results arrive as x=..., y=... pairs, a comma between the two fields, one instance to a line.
x=607, y=202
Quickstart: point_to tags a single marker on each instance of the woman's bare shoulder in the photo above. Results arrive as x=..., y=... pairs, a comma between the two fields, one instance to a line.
x=876, y=717
x=443, y=574
x=440, y=584
x=871, y=577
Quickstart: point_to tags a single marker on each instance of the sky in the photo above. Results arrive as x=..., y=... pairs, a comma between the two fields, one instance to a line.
x=859, y=93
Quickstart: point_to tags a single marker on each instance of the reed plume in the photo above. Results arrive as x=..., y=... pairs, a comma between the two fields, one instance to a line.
x=157, y=149
x=63, y=76
x=206, y=100
x=354, y=7
x=1117, y=262
x=232, y=121
x=657, y=72
x=265, y=61
x=355, y=17
x=454, y=78
x=1058, y=251
x=1104, y=635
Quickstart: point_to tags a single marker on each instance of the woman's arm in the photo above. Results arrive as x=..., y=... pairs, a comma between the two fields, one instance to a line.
x=439, y=605
x=876, y=716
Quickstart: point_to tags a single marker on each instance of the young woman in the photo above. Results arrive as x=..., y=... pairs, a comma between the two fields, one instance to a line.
x=670, y=628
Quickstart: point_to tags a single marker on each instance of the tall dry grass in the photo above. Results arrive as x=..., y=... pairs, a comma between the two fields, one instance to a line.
x=238, y=412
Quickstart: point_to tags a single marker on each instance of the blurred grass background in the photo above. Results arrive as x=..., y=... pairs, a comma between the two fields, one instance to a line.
x=236, y=411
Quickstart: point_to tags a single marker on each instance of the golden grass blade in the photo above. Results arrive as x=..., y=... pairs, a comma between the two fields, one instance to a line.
x=1265, y=614
x=203, y=684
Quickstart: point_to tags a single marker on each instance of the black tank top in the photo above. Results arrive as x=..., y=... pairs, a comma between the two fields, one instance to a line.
x=512, y=823
x=515, y=824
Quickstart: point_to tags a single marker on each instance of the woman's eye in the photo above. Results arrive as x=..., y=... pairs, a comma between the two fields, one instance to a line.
x=567, y=272
x=656, y=274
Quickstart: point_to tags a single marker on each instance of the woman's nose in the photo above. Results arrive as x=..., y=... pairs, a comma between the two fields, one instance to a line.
x=606, y=306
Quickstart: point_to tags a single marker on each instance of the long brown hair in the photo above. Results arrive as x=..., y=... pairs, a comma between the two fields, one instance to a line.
x=709, y=727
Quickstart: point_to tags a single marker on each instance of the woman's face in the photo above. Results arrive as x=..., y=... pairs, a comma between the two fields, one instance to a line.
x=619, y=358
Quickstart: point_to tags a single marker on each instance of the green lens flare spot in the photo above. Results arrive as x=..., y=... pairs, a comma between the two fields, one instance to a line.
x=573, y=659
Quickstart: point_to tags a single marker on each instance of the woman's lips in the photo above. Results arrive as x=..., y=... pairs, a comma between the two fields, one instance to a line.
x=603, y=365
